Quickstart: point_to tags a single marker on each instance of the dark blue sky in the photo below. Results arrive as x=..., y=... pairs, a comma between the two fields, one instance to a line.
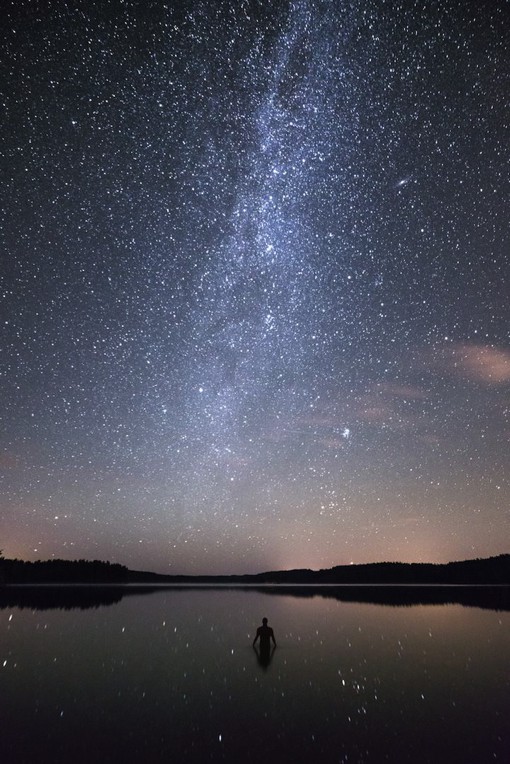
x=254, y=282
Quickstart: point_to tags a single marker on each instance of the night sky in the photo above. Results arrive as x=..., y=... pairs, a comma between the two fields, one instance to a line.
x=254, y=282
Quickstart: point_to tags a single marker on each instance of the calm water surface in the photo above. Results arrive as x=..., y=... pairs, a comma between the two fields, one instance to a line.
x=172, y=676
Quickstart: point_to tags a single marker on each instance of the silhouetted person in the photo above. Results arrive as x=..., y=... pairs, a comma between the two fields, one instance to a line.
x=264, y=654
x=265, y=634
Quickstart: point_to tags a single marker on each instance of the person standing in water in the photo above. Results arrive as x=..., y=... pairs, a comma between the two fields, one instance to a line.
x=265, y=634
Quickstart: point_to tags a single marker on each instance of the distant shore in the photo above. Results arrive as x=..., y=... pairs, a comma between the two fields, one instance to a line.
x=478, y=572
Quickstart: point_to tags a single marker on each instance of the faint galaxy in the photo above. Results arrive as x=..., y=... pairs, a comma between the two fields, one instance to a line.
x=254, y=282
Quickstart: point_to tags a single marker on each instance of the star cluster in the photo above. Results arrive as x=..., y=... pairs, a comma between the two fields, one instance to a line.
x=254, y=282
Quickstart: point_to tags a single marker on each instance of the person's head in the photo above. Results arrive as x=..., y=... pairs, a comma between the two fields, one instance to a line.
x=264, y=621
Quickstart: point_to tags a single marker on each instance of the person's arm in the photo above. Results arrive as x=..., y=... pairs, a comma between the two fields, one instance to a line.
x=272, y=637
x=256, y=637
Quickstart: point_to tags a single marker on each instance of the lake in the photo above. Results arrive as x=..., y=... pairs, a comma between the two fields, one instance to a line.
x=171, y=675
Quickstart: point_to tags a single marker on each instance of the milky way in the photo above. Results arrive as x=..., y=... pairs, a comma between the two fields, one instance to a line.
x=254, y=283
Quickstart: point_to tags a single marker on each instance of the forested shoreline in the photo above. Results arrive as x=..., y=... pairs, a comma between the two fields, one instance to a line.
x=489, y=571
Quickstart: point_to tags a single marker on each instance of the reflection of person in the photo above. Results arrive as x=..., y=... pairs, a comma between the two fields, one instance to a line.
x=265, y=634
x=264, y=655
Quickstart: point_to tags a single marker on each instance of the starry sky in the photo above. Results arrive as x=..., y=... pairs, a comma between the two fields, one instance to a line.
x=254, y=282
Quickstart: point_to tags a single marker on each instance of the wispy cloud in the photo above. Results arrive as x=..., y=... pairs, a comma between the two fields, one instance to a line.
x=391, y=404
x=406, y=392
x=8, y=461
x=480, y=363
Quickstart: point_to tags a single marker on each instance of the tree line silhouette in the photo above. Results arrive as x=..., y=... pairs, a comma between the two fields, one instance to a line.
x=492, y=570
x=62, y=571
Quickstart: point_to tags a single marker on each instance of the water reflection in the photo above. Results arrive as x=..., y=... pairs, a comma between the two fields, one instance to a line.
x=173, y=676
x=47, y=597
x=264, y=654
